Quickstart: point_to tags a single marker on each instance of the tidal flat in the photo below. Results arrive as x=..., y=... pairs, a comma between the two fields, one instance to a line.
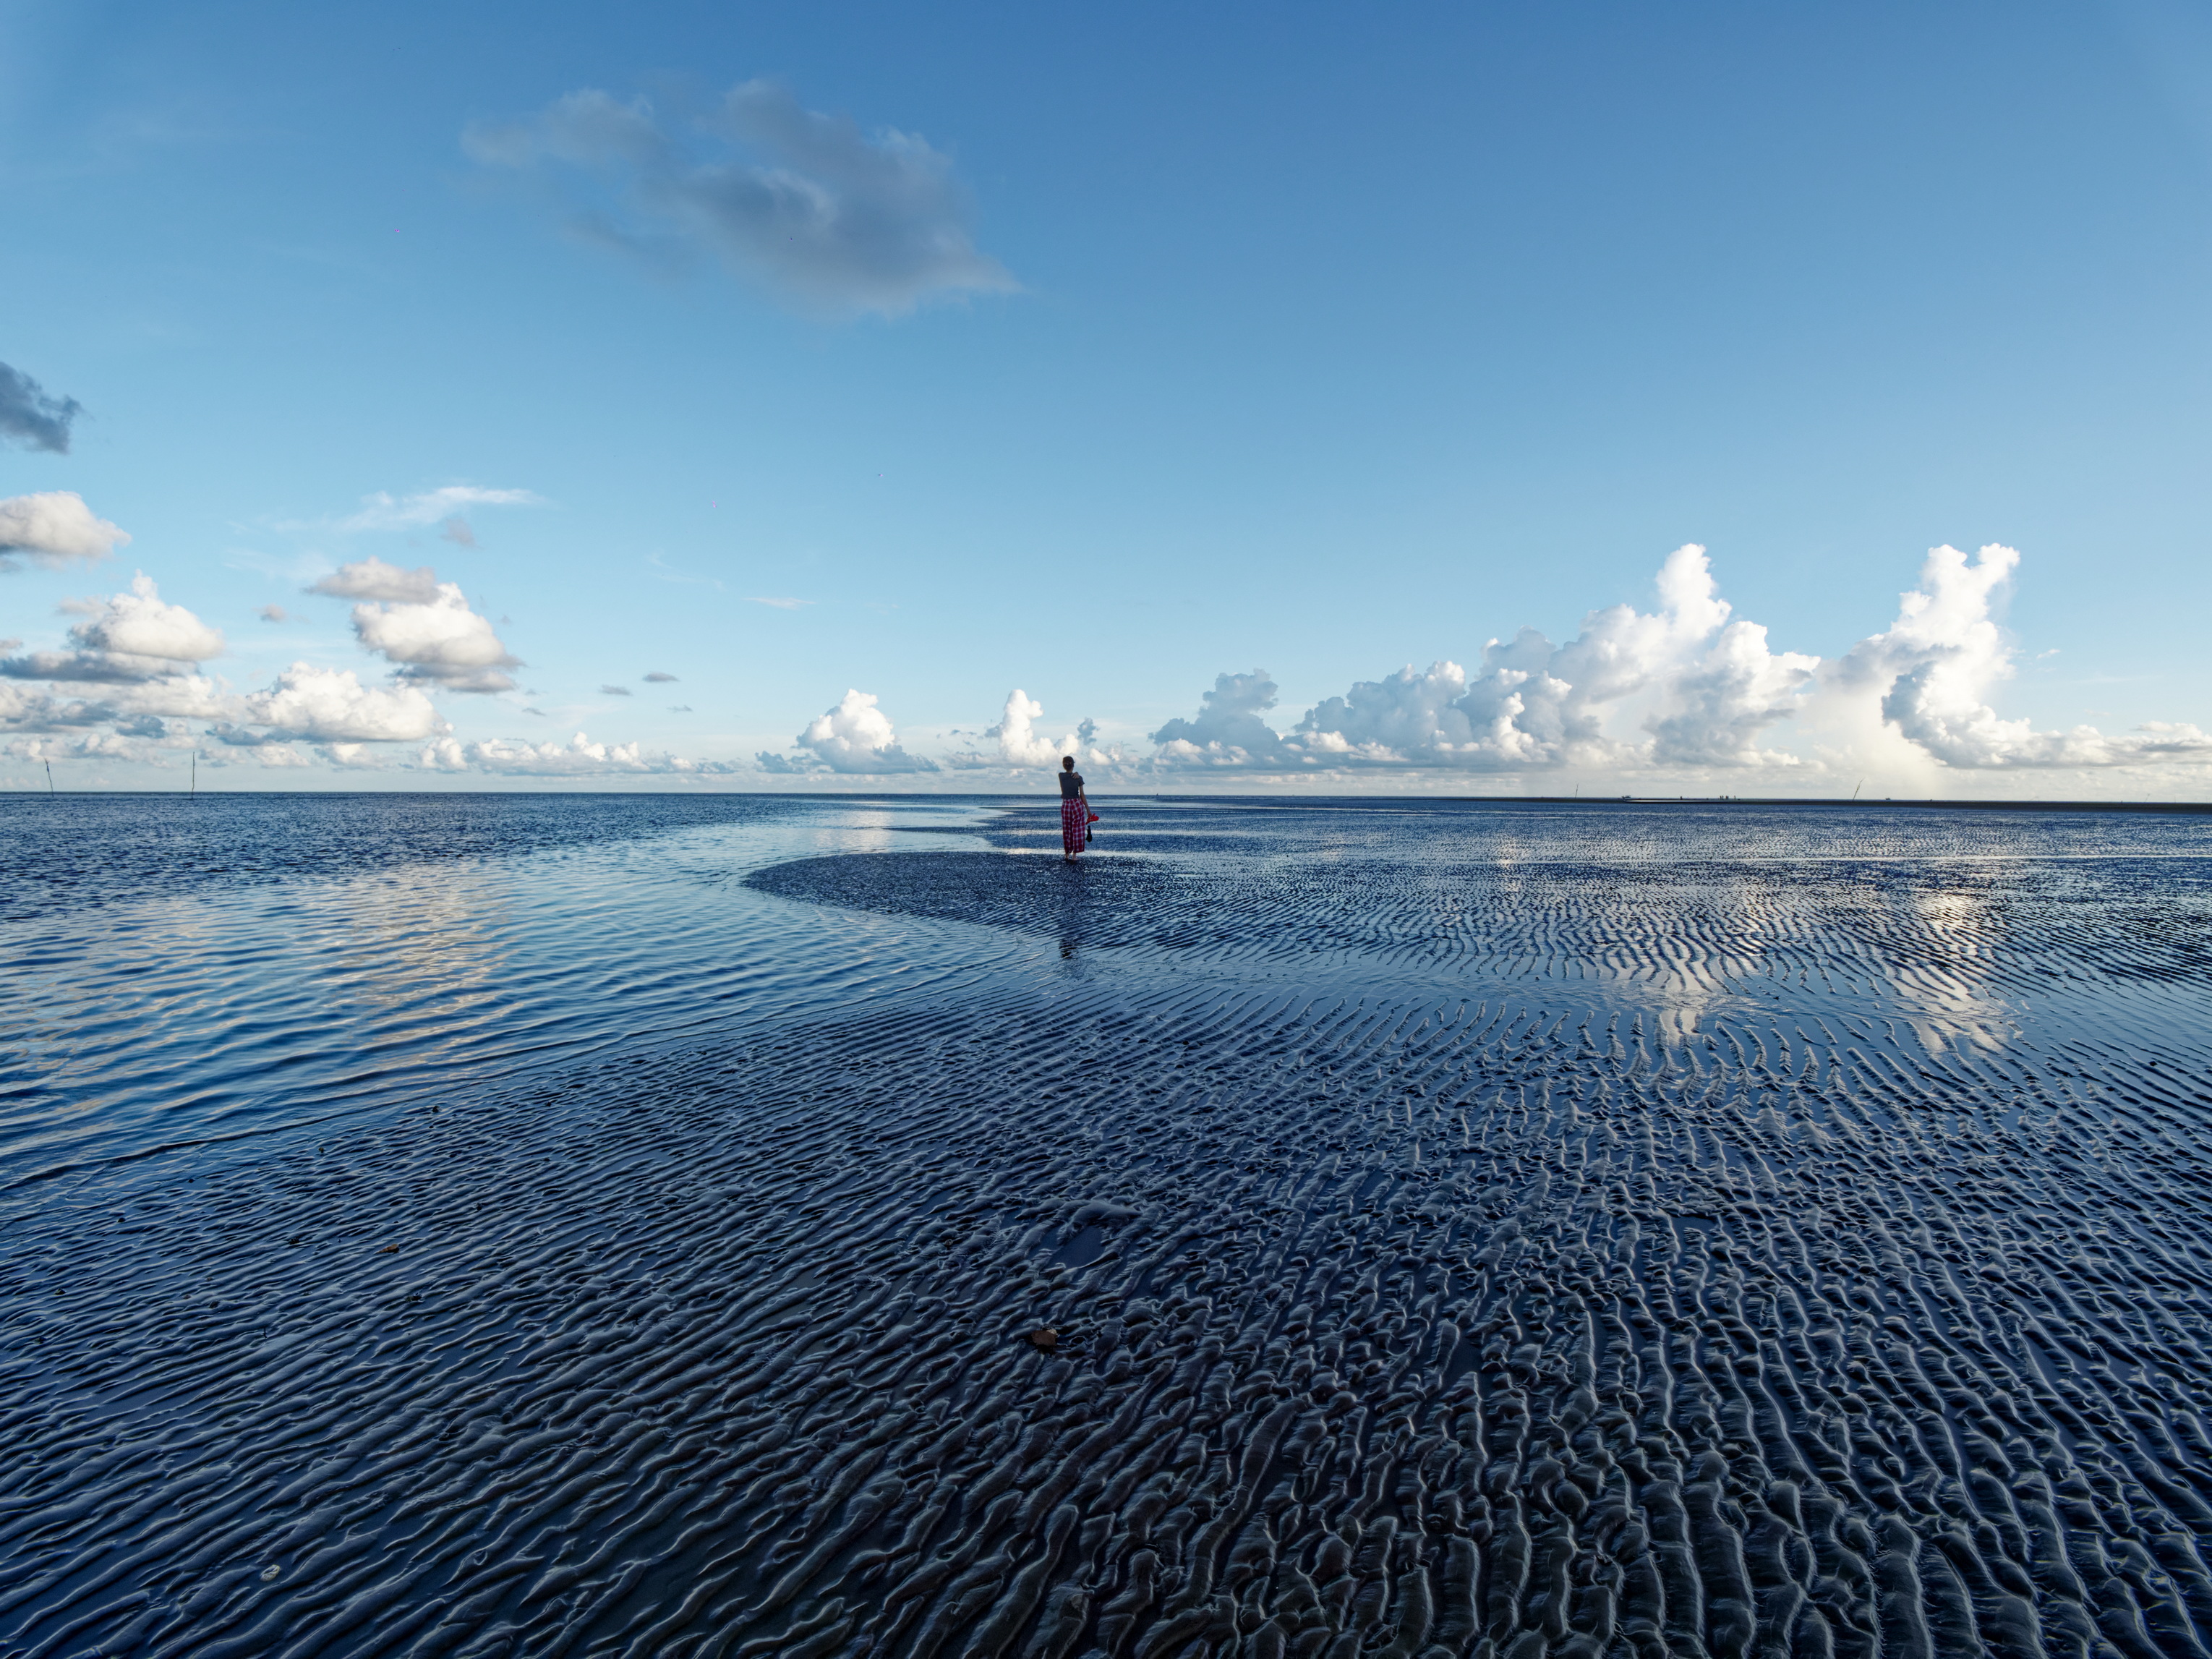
x=744, y=1225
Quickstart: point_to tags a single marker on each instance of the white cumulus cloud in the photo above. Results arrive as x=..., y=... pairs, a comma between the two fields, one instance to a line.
x=1720, y=704
x=140, y=622
x=182, y=696
x=1679, y=685
x=53, y=528
x=440, y=641
x=1018, y=746
x=372, y=579
x=88, y=745
x=236, y=747
x=1228, y=730
x=1927, y=676
x=1019, y=741
x=332, y=705
x=854, y=736
x=832, y=219
x=132, y=666
x=1687, y=688
x=125, y=638
x=22, y=709
x=579, y=757
x=1692, y=687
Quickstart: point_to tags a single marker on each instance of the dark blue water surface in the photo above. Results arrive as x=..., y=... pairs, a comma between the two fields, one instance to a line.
x=746, y=1225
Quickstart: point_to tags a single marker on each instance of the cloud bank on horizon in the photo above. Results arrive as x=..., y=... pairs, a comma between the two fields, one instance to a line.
x=1684, y=689
x=129, y=683
x=1684, y=692
x=806, y=205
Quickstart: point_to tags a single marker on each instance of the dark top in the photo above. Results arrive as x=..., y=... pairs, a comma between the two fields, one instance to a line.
x=1071, y=785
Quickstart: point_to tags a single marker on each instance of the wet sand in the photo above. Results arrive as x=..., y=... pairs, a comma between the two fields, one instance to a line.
x=1574, y=1232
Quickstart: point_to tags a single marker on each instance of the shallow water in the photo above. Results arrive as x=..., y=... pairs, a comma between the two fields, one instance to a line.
x=611, y=1226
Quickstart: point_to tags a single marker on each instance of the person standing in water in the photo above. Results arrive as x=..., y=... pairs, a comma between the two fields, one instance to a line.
x=1074, y=810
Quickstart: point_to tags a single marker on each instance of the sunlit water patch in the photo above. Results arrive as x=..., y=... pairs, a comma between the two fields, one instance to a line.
x=1318, y=1232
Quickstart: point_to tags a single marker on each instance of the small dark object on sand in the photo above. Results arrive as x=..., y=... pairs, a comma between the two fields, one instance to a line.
x=1047, y=1340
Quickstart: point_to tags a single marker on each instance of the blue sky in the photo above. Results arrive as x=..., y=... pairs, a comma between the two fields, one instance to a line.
x=1279, y=338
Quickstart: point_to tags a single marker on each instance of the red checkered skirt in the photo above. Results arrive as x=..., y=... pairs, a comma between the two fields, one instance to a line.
x=1074, y=821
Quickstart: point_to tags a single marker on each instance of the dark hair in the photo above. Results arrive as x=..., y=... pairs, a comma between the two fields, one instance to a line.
x=1067, y=762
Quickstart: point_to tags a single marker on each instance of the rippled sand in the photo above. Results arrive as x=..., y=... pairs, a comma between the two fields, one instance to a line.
x=1303, y=1231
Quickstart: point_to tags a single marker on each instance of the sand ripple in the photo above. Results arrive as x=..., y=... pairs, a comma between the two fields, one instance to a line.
x=1525, y=1320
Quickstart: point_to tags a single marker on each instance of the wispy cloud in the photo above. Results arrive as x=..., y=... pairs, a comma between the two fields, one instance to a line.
x=830, y=219
x=668, y=573
x=780, y=604
x=298, y=567
x=385, y=510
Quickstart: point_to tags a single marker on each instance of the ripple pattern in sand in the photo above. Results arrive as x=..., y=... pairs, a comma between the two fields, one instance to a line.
x=1455, y=1241
x=1859, y=925
x=1415, y=1331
